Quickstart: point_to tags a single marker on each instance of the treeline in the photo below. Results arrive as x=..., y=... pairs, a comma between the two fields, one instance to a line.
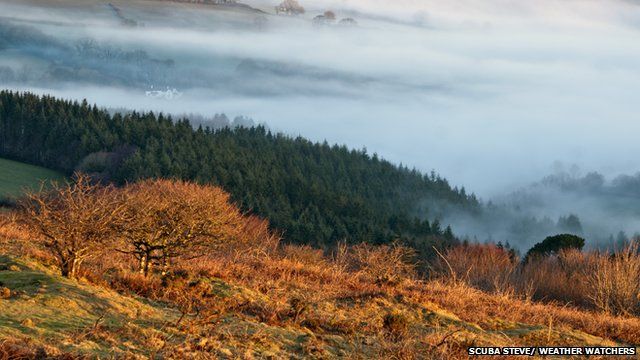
x=314, y=193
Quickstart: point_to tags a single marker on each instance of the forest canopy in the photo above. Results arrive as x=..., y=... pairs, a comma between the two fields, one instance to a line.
x=314, y=193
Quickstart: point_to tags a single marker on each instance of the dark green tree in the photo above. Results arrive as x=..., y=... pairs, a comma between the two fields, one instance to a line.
x=554, y=244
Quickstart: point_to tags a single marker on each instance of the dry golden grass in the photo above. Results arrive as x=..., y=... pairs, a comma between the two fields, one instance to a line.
x=613, y=281
x=486, y=267
x=546, y=279
x=297, y=286
x=9, y=229
x=594, y=292
x=264, y=299
x=594, y=280
x=491, y=311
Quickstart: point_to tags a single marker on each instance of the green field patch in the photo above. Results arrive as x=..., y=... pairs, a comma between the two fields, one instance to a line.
x=16, y=177
x=57, y=311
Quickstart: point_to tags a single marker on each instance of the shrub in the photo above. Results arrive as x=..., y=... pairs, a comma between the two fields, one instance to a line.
x=614, y=281
x=385, y=264
x=304, y=254
x=396, y=325
x=554, y=244
x=487, y=267
x=547, y=277
x=10, y=228
x=23, y=349
x=5, y=293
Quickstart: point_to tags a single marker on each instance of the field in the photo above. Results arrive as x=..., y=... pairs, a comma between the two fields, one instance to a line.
x=15, y=177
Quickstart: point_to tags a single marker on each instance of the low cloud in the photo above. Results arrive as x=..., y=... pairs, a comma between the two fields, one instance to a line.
x=488, y=93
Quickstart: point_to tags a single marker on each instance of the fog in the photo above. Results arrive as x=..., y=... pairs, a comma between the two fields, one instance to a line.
x=489, y=93
x=604, y=210
x=605, y=205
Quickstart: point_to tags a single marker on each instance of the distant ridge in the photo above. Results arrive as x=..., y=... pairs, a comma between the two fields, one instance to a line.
x=222, y=3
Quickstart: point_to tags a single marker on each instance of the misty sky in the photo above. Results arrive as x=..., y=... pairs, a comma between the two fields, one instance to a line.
x=491, y=94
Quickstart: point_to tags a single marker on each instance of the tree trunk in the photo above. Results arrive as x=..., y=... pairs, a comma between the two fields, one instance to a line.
x=66, y=268
x=143, y=265
x=165, y=266
x=69, y=267
x=145, y=262
x=74, y=268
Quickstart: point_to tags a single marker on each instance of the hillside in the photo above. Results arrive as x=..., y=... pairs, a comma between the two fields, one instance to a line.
x=315, y=193
x=15, y=177
x=172, y=269
x=61, y=316
x=291, y=305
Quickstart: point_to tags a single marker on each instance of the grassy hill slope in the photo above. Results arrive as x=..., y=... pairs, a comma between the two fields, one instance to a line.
x=245, y=294
x=41, y=310
x=16, y=176
x=281, y=309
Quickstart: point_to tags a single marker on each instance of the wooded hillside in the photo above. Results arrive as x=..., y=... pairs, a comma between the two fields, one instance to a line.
x=315, y=193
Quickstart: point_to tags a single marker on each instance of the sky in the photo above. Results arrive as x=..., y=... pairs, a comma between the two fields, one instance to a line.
x=492, y=94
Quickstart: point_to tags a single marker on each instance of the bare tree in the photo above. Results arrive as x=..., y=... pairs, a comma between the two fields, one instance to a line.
x=164, y=219
x=72, y=219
